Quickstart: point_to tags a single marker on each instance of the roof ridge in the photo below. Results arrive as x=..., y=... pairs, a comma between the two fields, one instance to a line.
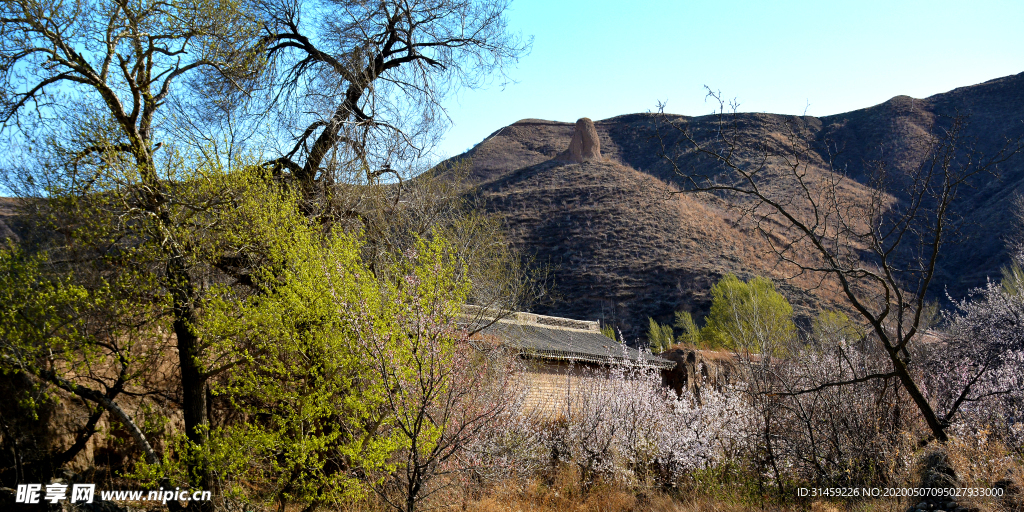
x=522, y=317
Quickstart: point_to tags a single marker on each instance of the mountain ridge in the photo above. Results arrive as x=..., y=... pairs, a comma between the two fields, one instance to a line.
x=895, y=132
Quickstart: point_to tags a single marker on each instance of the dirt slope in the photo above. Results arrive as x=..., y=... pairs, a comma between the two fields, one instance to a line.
x=622, y=250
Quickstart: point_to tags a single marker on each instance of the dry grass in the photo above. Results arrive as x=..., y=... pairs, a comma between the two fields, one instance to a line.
x=622, y=249
x=984, y=461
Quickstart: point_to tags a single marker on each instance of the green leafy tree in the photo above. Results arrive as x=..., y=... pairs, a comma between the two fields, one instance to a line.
x=341, y=379
x=285, y=348
x=749, y=316
x=691, y=333
x=659, y=337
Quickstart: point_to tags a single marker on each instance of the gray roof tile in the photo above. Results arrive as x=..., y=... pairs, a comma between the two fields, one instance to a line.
x=569, y=344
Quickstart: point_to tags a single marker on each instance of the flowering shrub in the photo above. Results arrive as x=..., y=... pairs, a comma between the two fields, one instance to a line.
x=445, y=390
x=839, y=435
x=622, y=425
x=975, y=372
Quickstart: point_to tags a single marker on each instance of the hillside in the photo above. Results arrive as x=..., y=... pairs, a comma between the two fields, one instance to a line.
x=7, y=219
x=622, y=249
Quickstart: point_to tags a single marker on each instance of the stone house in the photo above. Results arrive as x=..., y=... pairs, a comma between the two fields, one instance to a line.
x=562, y=354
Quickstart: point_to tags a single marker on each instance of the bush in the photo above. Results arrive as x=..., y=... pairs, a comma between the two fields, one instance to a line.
x=749, y=317
x=625, y=427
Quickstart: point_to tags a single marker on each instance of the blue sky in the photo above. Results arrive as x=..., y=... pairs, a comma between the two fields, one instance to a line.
x=600, y=59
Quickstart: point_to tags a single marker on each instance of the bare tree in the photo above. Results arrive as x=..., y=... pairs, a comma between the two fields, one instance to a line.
x=814, y=227
x=354, y=90
x=438, y=203
x=358, y=85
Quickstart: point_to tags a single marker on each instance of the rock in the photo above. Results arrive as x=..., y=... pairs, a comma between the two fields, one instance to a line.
x=585, y=145
x=935, y=471
x=696, y=369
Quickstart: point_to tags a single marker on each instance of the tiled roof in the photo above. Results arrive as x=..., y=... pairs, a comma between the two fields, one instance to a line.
x=561, y=338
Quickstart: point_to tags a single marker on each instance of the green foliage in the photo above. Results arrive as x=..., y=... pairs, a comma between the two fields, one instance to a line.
x=39, y=319
x=295, y=372
x=297, y=357
x=609, y=331
x=659, y=337
x=1013, y=279
x=35, y=309
x=831, y=326
x=691, y=333
x=63, y=333
x=749, y=316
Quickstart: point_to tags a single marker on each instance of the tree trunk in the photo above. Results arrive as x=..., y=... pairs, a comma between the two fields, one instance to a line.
x=936, y=426
x=193, y=378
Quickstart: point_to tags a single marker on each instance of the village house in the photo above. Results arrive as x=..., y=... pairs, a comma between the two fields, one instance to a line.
x=560, y=354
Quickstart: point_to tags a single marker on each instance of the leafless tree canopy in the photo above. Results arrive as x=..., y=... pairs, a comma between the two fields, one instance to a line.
x=358, y=85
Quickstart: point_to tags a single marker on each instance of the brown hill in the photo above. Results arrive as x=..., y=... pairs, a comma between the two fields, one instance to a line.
x=623, y=250
x=9, y=225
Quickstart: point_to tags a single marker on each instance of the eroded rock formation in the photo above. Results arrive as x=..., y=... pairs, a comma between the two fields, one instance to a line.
x=584, y=146
x=698, y=368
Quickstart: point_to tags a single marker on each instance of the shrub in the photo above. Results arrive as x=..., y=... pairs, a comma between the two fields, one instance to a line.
x=624, y=426
x=749, y=317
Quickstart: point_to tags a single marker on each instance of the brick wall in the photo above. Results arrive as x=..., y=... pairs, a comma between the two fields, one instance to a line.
x=550, y=383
